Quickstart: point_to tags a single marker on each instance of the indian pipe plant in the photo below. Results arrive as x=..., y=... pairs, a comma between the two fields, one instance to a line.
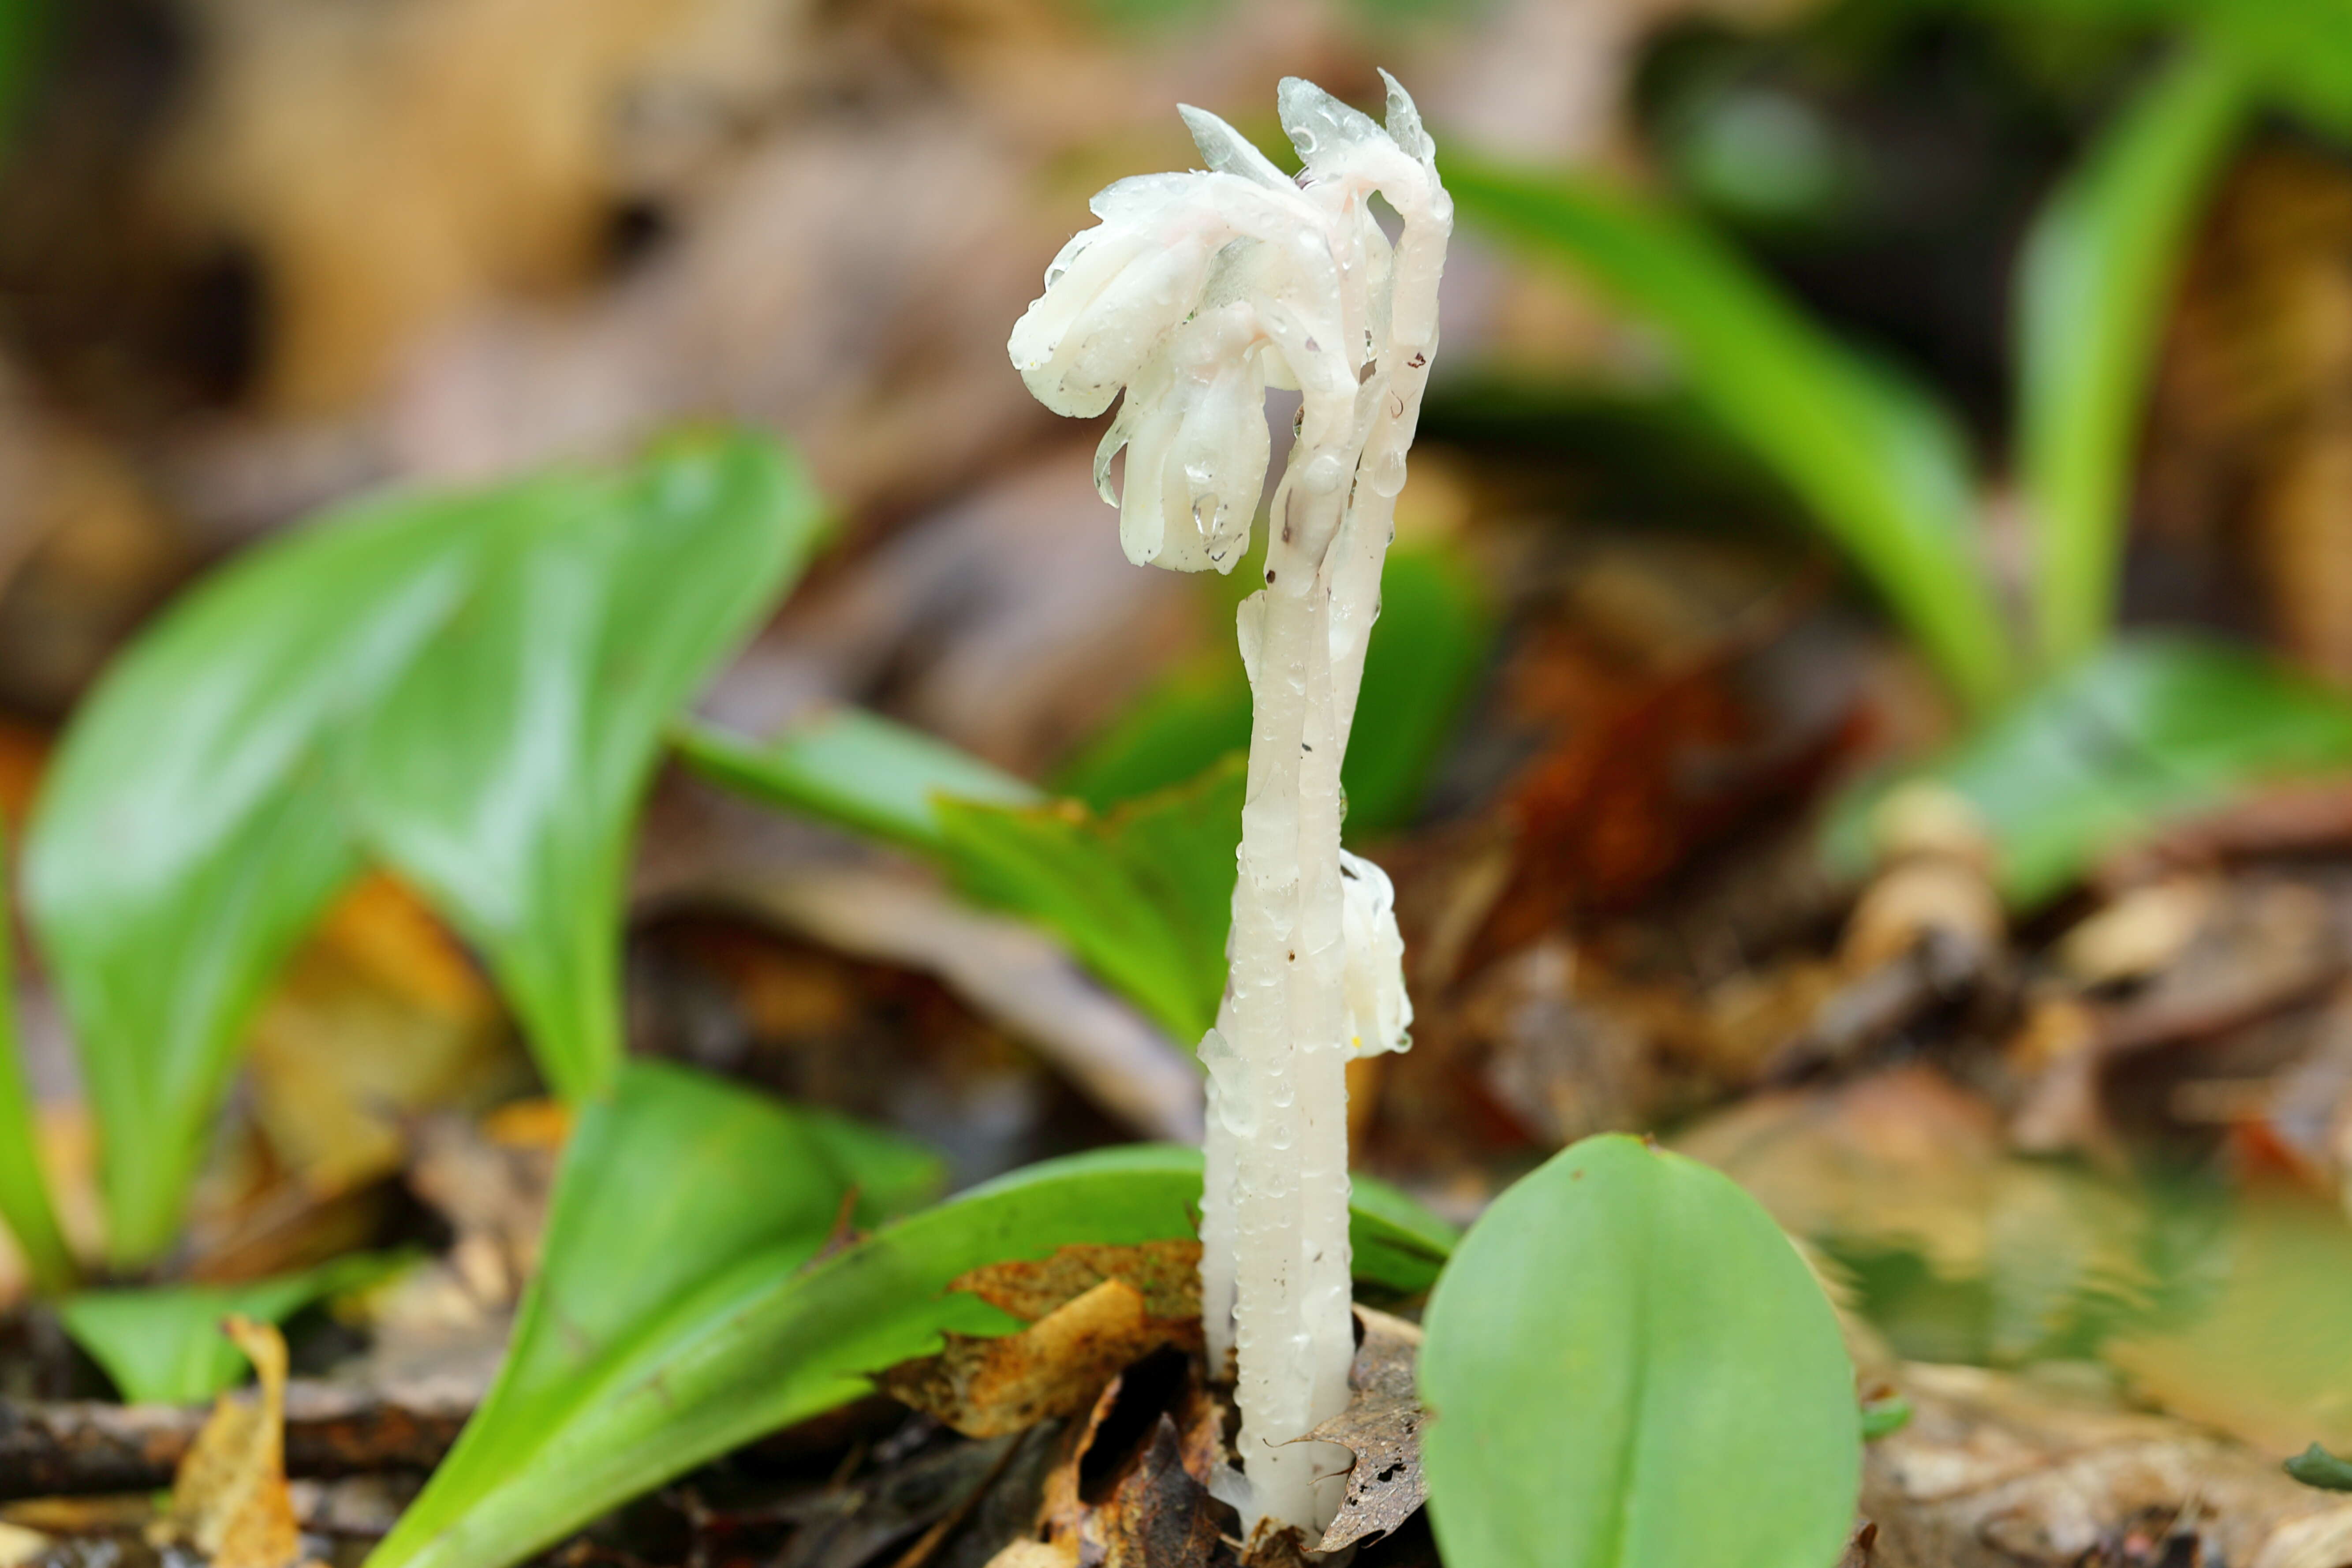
x=1195, y=293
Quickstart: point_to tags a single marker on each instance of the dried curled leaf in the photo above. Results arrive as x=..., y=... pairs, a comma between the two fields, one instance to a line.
x=1381, y=1426
x=1167, y=1274
x=229, y=1500
x=990, y=1387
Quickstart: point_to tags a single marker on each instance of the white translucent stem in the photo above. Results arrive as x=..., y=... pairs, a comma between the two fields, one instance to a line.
x=1288, y=1122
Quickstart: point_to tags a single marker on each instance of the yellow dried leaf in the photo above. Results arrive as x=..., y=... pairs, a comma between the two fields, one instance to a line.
x=229, y=1500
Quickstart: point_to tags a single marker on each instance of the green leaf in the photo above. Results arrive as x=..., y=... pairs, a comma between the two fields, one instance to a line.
x=2095, y=288
x=1879, y=464
x=2315, y=1466
x=1627, y=1363
x=369, y=678
x=165, y=1346
x=1396, y=1242
x=1431, y=641
x=502, y=772
x=187, y=833
x=854, y=768
x=23, y=1189
x=1143, y=895
x=2146, y=730
x=681, y=1310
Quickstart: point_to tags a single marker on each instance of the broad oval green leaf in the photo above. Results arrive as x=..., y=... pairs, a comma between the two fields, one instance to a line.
x=469, y=686
x=1877, y=462
x=2093, y=289
x=503, y=770
x=855, y=768
x=2148, y=729
x=1627, y=1366
x=188, y=831
x=682, y=1309
x=163, y=1345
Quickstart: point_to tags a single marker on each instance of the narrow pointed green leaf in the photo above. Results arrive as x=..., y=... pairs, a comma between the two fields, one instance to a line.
x=855, y=768
x=2095, y=288
x=1627, y=1366
x=1878, y=463
x=2144, y=732
x=503, y=771
x=1143, y=895
x=683, y=1308
x=163, y=1345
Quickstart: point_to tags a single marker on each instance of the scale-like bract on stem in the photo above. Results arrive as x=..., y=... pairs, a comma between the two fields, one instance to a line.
x=1195, y=293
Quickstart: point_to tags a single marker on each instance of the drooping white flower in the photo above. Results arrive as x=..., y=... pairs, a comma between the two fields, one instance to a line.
x=1196, y=291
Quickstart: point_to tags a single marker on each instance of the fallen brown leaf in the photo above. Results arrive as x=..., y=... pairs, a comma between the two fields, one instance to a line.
x=1381, y=1426
x=230, y=1501
x=991, y=1387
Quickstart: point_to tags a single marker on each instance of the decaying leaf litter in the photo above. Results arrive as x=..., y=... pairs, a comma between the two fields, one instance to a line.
x=1614, y=918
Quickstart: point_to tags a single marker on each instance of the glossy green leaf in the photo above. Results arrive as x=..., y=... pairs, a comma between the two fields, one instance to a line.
x=2145, y=731
x=502, y=772
x=188, y=831
x=470, y=687
x=682, y=1309
x=856, y=768
x=1879, y=465
x=1433, y=638
x=163, y=1345
x=1627, y=1366
x=1142, y=894
x=2095, y=288
x=23, y=1189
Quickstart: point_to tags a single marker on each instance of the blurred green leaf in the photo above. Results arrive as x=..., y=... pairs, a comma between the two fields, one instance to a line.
x=1397, y=1243
x=209, y=798
x=2095, y=288
x=1627, y=1363
x=1878, y=463
x=163, y=1345
x=503, y=770
x=2298, y=52
x=681, y=1310
x=854, y=768
x=23, y=1189
x=187, y=832
x=1431, y=641
x=25, y=27
x=1143, y=894
x=1193, y=717
x=2315, y=1466
x=2145, y=730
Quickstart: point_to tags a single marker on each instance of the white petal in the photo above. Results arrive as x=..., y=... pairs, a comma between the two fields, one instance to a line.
x=1323, y=128
x=1379, y=1013
x=1405, y=126
x=1228, y=151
